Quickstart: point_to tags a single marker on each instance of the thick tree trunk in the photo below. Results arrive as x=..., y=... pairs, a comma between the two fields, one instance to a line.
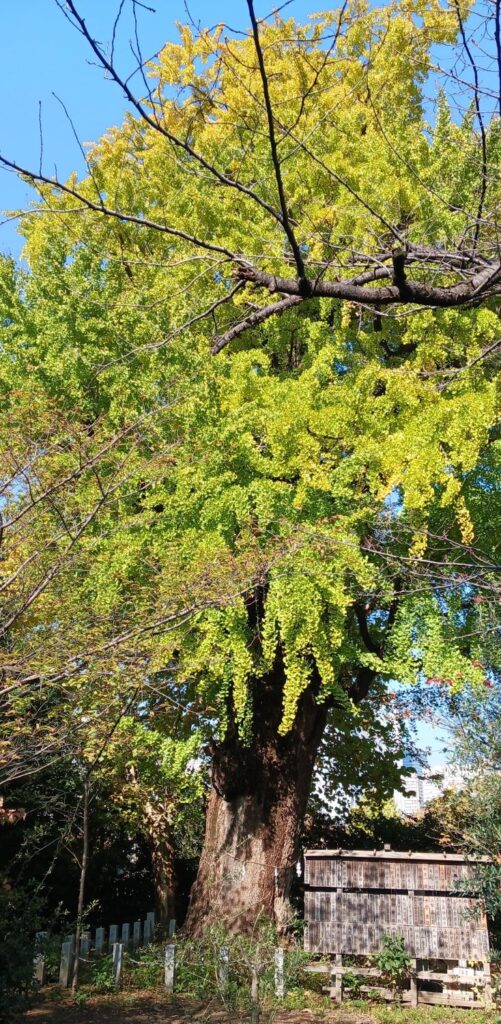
x=255, y=814
x=162, y=861
x=164, y=880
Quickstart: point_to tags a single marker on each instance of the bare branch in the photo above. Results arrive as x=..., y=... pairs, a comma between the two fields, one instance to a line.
x=274, y=156
x=153, y=122
x=483, y=137
x=117, y=214
x=255, y=318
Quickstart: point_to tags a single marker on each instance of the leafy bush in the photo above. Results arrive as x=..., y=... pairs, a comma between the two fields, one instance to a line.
x=393, y=961
x=352, y=983
x=198, y=967
x=101, y=975
x=20, y=919
x=144, y=968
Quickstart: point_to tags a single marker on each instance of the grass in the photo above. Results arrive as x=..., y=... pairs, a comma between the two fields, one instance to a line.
x=156, y=1007
x=422, y=1015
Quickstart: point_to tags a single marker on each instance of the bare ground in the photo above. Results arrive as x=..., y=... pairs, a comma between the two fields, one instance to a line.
x=159, y=1008
x=148, y=1008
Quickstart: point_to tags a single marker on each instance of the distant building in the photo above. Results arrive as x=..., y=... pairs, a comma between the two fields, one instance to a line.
x=423, y=786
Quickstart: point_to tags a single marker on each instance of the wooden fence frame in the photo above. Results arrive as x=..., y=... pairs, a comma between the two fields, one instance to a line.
x=96, y=943
x=352, y=897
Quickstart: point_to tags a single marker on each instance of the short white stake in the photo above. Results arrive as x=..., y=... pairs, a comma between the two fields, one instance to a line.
x=170, y=965
x=117, y=963
x=279, y=973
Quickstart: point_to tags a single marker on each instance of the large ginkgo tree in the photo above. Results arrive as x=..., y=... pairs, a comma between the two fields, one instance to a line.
x=248, y=379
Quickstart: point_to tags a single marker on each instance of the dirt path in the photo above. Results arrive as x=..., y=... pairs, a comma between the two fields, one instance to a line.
x=152, y=1009
x=159, y=1008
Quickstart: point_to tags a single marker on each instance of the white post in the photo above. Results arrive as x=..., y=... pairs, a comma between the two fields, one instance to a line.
x=147, y=932
x=487, y=985
x=170, y=965
x=172, y=927
x=117, y=963
x=279, y=973
x=136, y=934
x=39, y=968
x=85, y=944
x=39, y=958
x=224, y=960
x=150, y=916
x=414, y=986
x=125, y=934
x=65, y=968
x=337, y=974
x=99, y=940
x=113, y=937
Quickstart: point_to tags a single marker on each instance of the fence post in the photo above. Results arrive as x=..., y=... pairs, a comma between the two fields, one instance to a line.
x=337, y=974
x=224, y=960
x=172, y=927
x=255, y=990
x=147, y=932
x=279, y=973
x=65, y=967
x=136, y=934
x=113, y=936
x=117, y=963
x=99, y=943
x=125, y=934
x=150, y=916
x=39, y=958
x=487, y=985
x=414, y=984
x=85, y=944
x=170, y=967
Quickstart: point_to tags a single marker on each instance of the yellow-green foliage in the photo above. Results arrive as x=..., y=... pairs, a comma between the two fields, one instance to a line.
x=314, y=451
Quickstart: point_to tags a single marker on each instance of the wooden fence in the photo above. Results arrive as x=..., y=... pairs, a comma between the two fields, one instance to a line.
x=105, y=941
x=130, y=935
x=353, y=898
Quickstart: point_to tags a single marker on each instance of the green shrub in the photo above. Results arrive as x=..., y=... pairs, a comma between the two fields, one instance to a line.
x=352, y=983
x=144, y=969
x=101, y=975
x=198, y=967
x=20, y=919
x=393, y=961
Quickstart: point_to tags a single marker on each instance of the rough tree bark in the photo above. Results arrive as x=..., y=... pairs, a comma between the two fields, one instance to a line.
x=162, y=860
x=259, y=795
x=255, y=813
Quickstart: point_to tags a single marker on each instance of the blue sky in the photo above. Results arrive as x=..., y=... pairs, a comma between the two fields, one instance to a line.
x=42, y=54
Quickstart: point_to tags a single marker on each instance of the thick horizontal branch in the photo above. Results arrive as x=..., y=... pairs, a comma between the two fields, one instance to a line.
x=252, y=320
x=487, y=279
